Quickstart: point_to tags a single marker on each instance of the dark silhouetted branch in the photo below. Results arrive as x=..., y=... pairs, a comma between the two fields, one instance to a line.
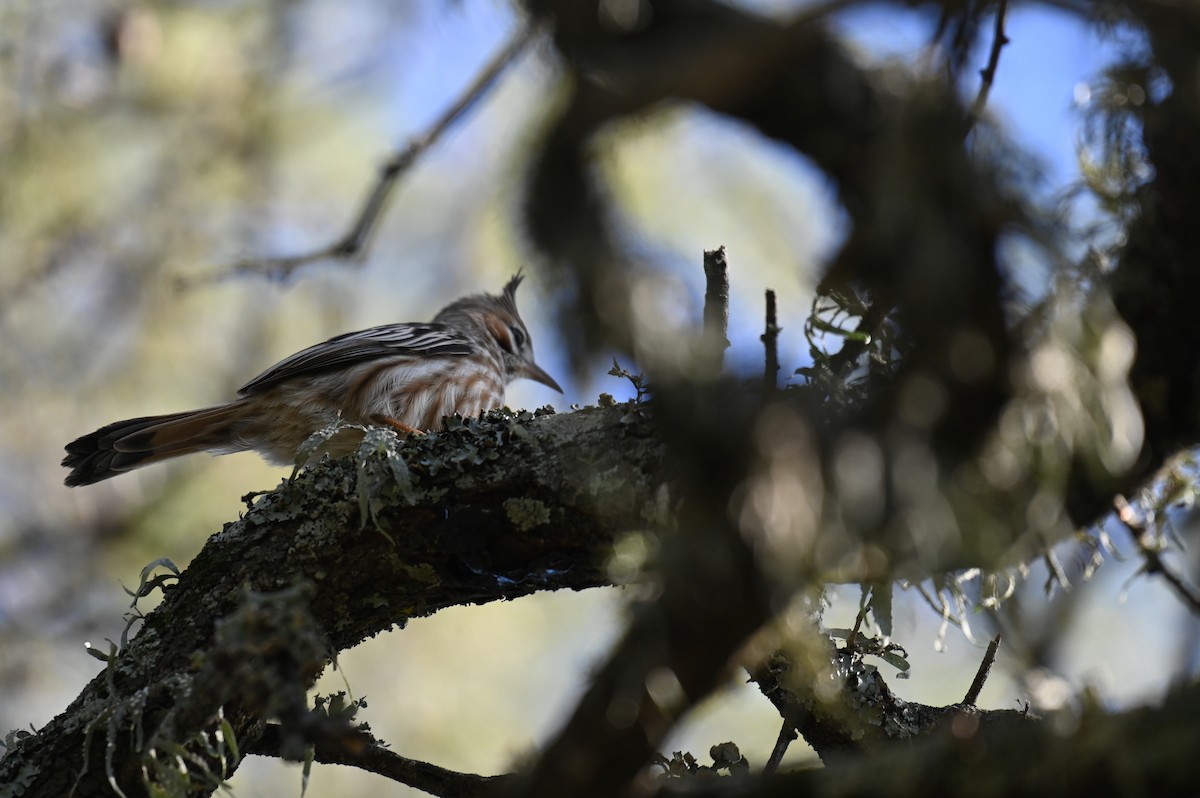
x=770, y=341
x=985, y=668
x=365, y=753
x=787, y=733
x=988, y=73
x=1152, y=560
x=356, y=238
x=716, y=307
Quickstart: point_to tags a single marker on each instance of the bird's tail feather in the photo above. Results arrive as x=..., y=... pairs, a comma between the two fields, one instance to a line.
x=136, y=442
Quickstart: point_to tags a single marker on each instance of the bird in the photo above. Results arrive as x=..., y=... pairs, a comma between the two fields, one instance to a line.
x=408, y=377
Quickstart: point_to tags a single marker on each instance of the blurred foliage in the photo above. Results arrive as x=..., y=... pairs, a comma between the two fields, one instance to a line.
x=146, y=146
x=1112, y=158
x=682, y=765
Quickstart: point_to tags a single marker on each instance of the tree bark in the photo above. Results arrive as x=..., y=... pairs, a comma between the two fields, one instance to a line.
x=498, y=509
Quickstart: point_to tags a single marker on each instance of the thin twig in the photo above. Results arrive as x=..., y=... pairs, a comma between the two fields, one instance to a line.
x=988, y=73
x=770, y=340
x=1055, y=575
x=787, y=733
x=941, y=606
x=858, y=619
x=981, y=676
x=355, y=240
x=364, y=752
x=716, y=306
x=1151, y=554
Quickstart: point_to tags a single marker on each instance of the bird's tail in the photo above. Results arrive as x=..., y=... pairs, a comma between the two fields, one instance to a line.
x=136, y=442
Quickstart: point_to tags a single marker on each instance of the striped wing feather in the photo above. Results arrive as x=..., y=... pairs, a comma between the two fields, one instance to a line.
x=389, y=340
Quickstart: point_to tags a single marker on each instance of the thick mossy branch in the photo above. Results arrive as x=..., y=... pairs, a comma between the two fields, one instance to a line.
x=1146, y=751
x=494, y=509
x=866, y=717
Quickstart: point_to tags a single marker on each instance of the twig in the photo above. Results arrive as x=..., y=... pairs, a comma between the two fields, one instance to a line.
x=941, y=606
x=1055, y=575
x=988, y=73
x=981, y=676
x=787, y=733
x=357, y=237
x=858, y=619
x=364, y=752
x=1154, y=563
x=770, y=340
x=716, y=306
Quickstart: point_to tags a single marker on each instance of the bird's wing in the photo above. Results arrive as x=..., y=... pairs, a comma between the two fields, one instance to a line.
x=390, y=340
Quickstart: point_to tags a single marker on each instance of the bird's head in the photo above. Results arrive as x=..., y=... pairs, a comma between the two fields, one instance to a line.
x=497, y=315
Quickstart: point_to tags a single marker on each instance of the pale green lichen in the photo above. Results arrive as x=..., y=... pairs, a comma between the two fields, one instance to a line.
x=421, y=572
x=610, y=482
x=526, y=514
x=24, y=778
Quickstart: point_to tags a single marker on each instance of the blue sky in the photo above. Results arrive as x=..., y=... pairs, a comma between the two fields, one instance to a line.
x=403, y=75
x=1049, y=53
x=439, y=49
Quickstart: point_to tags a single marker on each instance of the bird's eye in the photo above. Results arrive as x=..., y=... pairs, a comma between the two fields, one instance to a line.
x=518, y=336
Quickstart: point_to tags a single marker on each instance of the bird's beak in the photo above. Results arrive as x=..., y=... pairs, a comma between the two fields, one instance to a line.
x=536, y=373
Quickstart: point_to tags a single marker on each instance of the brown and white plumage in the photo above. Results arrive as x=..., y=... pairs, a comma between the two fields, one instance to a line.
x=407, y=376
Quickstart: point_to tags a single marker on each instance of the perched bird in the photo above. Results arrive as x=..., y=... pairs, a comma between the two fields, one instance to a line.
x=406, y=376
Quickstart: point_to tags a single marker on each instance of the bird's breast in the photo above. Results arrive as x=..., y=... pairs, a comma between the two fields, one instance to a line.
x=421, y=394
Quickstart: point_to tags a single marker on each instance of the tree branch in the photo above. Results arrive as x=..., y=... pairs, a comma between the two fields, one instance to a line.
x=356, y=238
x=716, y=307
x=1146, y=751
x=988, y=73
x=787, y=733
x=985, y=667
x=365, y=753
x=864, y=716
x=496, y=509
x=770, y=342
x=678, y=647
x=1152, y=556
